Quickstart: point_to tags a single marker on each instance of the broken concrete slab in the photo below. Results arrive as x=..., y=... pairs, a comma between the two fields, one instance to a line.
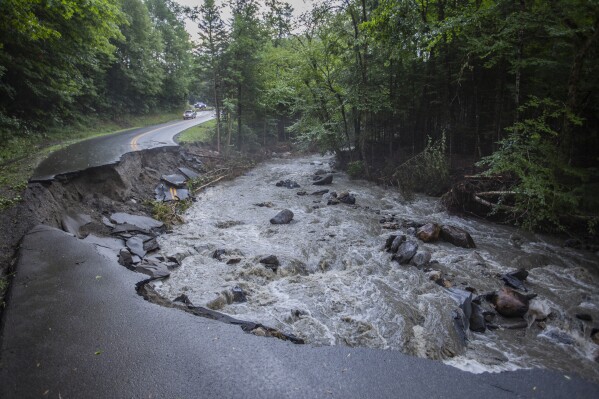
x=114, y=244
x=125, y=257
x=164, y=193
x=176, y=180
x=153, y=269
x=124, y=230
x=136, y=246
x=107, y=222
x=190, y=174
x=72, y=223
x=141, y=222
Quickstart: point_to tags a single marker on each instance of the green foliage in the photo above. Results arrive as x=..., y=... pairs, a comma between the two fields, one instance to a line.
x=356, y=169
x=427, y=172
x=202, y=133
x=169, y=213
x=546, y=184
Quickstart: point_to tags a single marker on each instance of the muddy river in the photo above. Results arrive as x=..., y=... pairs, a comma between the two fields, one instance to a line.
x=336, y=285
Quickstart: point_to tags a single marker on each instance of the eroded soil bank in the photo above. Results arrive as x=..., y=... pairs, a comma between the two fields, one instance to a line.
x=127, y=186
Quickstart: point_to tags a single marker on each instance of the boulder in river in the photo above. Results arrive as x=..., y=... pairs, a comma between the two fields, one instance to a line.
x=516, y=279
x=397, y=241
x=346, y=198
x=238, y=294
x=429, y=232
x=405, y=252
x=270, y=262
x=288, y=184
x=320, y=192
x=477, y=319
x=509, y=303
x=283, y=217
x=328, y=179
x=456, y=236
x=421, y=258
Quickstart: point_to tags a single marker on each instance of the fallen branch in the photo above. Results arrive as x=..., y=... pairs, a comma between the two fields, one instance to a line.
x=488, y=193
x=490, y=204
x=207, y=184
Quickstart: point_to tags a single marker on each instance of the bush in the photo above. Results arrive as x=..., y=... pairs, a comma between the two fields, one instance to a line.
x=547, y=187
x=427, y=172
x=356, y=169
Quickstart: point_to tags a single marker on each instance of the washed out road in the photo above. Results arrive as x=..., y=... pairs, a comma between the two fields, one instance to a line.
x=75, y=327
x=106, y=150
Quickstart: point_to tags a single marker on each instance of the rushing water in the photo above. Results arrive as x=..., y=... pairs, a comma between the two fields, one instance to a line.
x=337, y=286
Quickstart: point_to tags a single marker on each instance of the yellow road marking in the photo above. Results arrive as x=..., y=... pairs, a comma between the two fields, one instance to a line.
x=135, y=139
x=173, y=192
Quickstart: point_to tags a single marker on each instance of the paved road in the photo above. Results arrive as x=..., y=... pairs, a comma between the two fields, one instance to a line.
x=75, y=328
x=106, y=150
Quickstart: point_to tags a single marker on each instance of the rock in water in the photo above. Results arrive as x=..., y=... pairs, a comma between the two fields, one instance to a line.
x=288, y=183
x=429, y=232
x=283, y=217
x=328, y=179
x=516, y=279
x=457, y=236
x=346, y=198
x=405, y=252
x=270, y=262
x=477, y=319
x=421, y=258
x=238, y=294
x=509, y=303
x=397, y=241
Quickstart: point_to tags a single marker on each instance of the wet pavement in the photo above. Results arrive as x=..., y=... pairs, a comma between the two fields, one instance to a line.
x=76, y=328
x=106, y=150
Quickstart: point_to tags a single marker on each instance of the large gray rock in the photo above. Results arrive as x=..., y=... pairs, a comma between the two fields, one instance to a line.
x=429, y=232
x=270, y=262
x=405, y=252
x=328, y=179
x=283, y=217
x=346, y=198
x=509, y=303
x=421, y=258
x=456, y=236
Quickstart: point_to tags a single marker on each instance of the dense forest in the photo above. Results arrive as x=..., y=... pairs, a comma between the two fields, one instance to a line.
x=400, y=90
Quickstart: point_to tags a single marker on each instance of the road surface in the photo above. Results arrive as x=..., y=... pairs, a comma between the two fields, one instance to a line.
x=106, y=150
x=75, y=328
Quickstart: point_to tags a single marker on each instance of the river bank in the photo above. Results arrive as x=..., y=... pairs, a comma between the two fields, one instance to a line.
x=121, y=188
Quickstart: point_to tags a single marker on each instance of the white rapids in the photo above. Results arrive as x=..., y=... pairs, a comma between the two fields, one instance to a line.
x=337, y=286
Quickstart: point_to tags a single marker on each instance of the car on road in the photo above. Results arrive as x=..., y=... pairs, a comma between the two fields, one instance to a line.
x=189, y=114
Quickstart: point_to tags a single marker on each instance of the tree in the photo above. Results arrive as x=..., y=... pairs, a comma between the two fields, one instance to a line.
x=135, y=79
x=210, y=51
x=52, y=55
x=175, y=59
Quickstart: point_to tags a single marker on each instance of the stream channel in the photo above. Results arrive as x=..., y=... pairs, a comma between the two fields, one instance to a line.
x=336, y=285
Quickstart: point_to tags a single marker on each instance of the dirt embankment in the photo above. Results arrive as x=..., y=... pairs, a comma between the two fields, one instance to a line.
x=127, y=186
